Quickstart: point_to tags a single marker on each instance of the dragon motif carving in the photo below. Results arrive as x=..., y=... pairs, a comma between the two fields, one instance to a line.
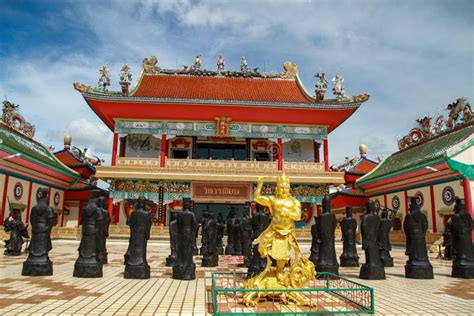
x=291, y=70
x=82, y=88
x=150, y=65
x=15, y=120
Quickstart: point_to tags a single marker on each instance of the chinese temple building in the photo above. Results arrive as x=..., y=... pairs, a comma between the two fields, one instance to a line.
x=435, y=163
x=348, y=194
x=209, y=135
x=27, y=165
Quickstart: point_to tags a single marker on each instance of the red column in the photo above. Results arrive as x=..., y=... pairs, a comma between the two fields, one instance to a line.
x=326, y=155
x=117, y=213
x=317, y=157
x=62, y=216
x=110, y=207
x=114, y=149
x=4, y=199
x=28, y=203
x=385, y=200
x=433, y=208
x=406, y=202
x=467, y=195
x=79, y=214
x=280, y=154
x=163, y=151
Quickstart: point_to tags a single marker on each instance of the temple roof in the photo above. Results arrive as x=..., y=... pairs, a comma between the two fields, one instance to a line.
x=427, y=153
x=67, y=157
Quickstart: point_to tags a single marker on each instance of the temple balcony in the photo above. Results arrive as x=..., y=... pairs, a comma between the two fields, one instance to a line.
x=216, y=170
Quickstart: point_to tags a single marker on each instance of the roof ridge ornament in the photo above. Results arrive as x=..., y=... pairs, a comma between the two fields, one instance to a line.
x=11, y=117
x=220, y=64
x=321, y=87
x=291, y=70
x=125, y=78
x=150, y=65
x=104, y=79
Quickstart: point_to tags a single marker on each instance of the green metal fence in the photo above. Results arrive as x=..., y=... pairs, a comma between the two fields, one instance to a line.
x=329, y=293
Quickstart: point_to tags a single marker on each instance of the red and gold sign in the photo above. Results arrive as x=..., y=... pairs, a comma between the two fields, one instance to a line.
x=213, y=191
x=222, y=126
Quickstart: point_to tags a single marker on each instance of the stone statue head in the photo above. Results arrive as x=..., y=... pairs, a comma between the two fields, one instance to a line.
x=283, y=186
x=186, y=204
x=370, y=206
x=140, y=205
x=384, y=213
x=102, y=203
x=232, y=212
x=326, y=204
x=42, y=194
x=348, y=212
x=414, y=204
x=460, y=206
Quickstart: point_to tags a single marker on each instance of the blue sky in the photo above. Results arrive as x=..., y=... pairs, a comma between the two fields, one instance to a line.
x=413, y=57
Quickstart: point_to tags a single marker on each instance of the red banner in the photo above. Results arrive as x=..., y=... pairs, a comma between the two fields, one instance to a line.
x=212, y=191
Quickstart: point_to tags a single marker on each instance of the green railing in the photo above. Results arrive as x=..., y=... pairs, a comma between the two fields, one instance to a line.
x=328, y=293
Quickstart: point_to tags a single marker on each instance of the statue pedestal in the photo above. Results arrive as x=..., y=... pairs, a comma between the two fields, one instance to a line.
x=87, y=270
x=334, y=269
x=387, y=261
x=349, y=261
x=170, y=261
x=372, y=273
x=465, y=271
x=37, y=268
x=181, y=272
x=419, y=270
x=103, y=258
x=211, y=261
x=137, y=272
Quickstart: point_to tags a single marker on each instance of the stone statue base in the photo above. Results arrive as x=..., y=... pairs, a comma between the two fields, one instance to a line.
x=349, y=261
x=184, y=272
x=371, y=273
x=419, y=270
x=104, y=258
x=170, y=261
x=465, y=271
x=387, y=262
x=327, y=268
x=85, y=270
x=313, y=259
x=212, y=261
x=220, y=251
x=137, y=272
x=37, y=269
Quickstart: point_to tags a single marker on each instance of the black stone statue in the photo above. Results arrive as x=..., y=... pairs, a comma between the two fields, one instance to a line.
x=246, y=234
x=89, y=265
x=140, y=221
x=461, y=229
x=234, y=235
x=260, y=221
x=415, y=226
x=373, y=268
x=206, y=216
x=220, y=234
x=103, y=231
x=349, y=257
x=171, y=259
x=326, y=228
x=210, y=257
x=18, y=231
x=184, y=268
x=384, y=239
x=447, y=242
x=314, y=251
x=41, y=219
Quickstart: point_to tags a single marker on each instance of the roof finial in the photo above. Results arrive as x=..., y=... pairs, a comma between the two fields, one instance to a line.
x=338, y=88
x=321, y=87
x=363, y=150
x=104, y=79
x=220, y=64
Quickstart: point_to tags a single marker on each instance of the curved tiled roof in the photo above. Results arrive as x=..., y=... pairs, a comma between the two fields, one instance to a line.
x=221, y=88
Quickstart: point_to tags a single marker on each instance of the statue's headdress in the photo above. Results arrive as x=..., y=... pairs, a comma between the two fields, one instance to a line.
x=283, y=179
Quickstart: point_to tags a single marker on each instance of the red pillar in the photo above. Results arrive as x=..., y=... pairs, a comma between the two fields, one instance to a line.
x=28, y=203
x=114, y=149
x=433, y=208
x=385, y=200
x=4, y=199
x=280, y=154
x=163, y=151
x=62, y=216
x=326, y=155
x=110, y=207
x=117, y=213
x=406, y=202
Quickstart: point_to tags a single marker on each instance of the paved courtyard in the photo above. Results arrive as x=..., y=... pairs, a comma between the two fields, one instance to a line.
x=161, y=295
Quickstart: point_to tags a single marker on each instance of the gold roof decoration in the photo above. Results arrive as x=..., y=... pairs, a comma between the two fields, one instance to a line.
x=291, y=70
x=150, y=65
x=82, y=88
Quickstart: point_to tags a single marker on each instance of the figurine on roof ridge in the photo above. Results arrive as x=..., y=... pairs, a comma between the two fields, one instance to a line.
x=197, y=63
x=244, y=65
x=150, y=65
x=220, y=64
x=321, y=87
x=338, y=88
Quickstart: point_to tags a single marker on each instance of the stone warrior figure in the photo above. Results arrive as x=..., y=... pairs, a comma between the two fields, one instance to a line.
x=210, y=257
x=140, y=221
x=314, y=242
x=260, y=221
x=220, y=63
x=373, y=268
x=220, y=234
x=171, y=259
x=184, y=268
x=197, y=63
x=246, y=233
x=384, y=239
x=88, y=265
x=104, y=79
x=447, y=242
x=415, y=226
x=18, y=231
x=349, y=257
x=338, y=88
x=321, y=86
x=277, y=242
x=103, y=231
x=244, y=65
x=326, y=227
x=461, y=228
x=234, y=236
x=41, y=219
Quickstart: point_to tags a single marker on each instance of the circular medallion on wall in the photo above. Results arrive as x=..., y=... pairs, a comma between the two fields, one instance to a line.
x=420, y=200
x=18, y=190
x=57, y=198
x=395, y=203
x=377, y=204
x=448, y=195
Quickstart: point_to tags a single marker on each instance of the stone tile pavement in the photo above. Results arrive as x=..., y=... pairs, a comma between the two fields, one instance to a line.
x=62, y=294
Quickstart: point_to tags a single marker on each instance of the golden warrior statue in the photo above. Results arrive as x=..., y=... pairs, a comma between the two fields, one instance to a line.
x=277, y=242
